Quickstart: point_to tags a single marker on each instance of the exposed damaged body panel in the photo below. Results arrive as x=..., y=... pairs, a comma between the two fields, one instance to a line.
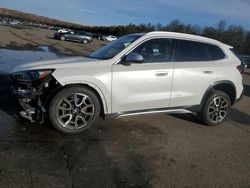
x=33, y=96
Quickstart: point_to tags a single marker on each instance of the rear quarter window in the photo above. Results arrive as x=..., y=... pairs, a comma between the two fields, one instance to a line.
x=215, y=52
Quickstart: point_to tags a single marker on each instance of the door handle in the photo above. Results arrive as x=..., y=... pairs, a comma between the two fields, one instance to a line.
x=208, y=72
x=161, y=73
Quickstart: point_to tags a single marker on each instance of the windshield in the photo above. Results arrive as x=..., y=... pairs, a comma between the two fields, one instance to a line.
x=115, y=47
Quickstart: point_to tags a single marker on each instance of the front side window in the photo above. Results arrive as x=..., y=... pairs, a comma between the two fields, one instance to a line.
x=155, y=50
x=190, y=51
x=113, y=48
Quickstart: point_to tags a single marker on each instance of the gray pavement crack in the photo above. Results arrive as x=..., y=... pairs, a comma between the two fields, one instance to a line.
x=31, y=178
x=67, y=165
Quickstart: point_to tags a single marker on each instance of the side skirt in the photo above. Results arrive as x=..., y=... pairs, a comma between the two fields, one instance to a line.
x=170, y=110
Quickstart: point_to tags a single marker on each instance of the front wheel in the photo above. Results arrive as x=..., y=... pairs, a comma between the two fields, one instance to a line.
x=74, y=109
x=215, y=109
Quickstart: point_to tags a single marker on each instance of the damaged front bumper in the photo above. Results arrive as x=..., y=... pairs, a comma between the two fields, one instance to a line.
x=34, y=96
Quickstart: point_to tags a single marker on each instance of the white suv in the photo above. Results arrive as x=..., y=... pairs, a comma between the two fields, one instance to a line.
x=136, y=74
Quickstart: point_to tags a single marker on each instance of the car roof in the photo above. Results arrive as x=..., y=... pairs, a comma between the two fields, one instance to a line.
x=185, y=36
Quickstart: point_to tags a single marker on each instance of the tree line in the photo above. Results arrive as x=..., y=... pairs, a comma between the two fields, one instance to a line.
x=233, y=35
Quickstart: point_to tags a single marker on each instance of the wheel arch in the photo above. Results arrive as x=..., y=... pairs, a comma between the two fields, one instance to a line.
x=84, y=39
x=92, y=87
x=98, y=93
x=225, y=86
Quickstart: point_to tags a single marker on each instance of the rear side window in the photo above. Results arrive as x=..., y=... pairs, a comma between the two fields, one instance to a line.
x=190, y=51
x=215, y=52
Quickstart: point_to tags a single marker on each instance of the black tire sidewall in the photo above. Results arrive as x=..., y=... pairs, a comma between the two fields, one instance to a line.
x=67, y=91
x=204, y=113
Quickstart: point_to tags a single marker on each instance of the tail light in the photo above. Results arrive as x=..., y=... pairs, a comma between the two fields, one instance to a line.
x=240, y=69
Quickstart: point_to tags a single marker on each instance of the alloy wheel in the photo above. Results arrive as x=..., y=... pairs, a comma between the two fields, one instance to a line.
x=218, y=109
x=75, y=111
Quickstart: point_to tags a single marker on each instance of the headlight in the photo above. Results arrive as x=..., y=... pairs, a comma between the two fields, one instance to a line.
x=32, y=75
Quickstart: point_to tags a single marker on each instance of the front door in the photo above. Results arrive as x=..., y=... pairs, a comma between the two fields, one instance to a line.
x=147, y=85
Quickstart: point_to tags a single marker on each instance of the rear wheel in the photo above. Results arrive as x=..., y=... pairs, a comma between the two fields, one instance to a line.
x=84, y=41
x=62, y=38
x=74, y=109
x=215, y=109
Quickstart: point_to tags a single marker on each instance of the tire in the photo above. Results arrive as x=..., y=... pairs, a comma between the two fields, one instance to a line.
x=74, y=109
x=62, y=38
x=216, y=108
x=85, y=41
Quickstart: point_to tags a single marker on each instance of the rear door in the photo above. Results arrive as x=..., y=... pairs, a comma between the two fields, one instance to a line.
x=76, y=36
x=81, y=36
x=194, y=72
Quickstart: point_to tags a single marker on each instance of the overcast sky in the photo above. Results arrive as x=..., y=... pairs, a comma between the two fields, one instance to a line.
x=116, y=12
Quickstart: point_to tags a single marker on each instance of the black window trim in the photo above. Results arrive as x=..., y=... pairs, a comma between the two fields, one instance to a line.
x=119, y=61
x=207, y=51
x=226, y=56
x=173, y=48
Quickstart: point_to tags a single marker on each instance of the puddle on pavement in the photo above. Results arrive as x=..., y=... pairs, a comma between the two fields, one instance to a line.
x=11, y=58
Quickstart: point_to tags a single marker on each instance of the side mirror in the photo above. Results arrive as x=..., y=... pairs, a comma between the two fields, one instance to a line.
x=134, y=58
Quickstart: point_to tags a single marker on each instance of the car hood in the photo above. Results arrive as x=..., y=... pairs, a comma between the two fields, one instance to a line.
x=55, y=63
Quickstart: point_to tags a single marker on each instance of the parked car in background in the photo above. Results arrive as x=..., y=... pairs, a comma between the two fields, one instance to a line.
x=104, y=37
x=157, y=72
x=15, y=22
x=76, y=36
x=98, y=36
x=245, y=60
x=63, y=30
x=42, y=26
x=54, y=28
x=110, y=38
